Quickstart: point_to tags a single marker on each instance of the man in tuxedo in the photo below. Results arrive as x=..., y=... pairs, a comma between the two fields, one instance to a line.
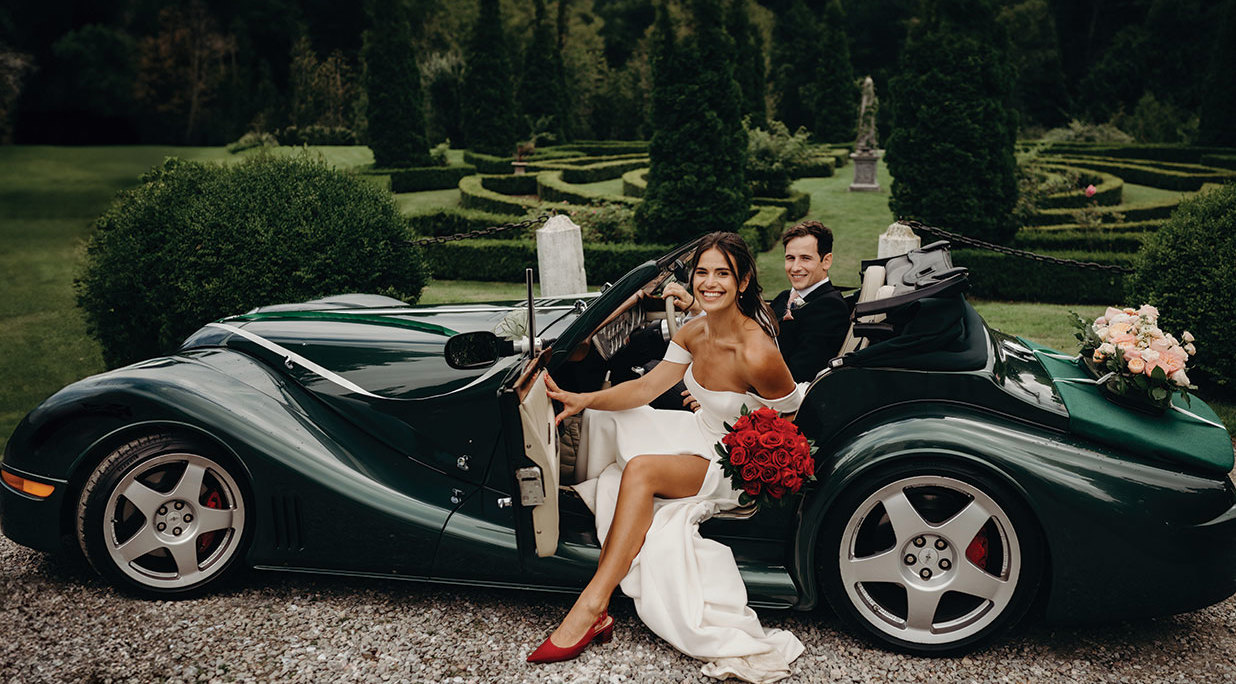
x=812, y=314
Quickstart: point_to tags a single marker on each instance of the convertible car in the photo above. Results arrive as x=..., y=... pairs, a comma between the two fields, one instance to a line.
x=963, y=482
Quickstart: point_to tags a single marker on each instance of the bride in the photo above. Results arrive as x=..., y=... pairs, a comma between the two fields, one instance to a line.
x=664, y=480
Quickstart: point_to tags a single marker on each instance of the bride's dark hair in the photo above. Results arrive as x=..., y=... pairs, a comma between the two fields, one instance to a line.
x=750, y=301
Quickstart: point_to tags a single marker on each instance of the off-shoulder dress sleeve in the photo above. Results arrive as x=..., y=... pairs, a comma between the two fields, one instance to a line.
x=787, y=404
x=676, y=354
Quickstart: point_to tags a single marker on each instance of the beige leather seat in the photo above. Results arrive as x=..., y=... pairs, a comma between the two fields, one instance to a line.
x=873, y=288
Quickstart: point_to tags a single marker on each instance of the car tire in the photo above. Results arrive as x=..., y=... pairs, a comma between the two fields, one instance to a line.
x=930, y=559
x=164, y=517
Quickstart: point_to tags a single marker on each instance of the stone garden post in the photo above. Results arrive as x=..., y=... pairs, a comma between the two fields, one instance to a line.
x=560, y=257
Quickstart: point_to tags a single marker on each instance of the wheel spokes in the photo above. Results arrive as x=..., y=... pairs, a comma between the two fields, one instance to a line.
x=905, y=520
x=976, y=582
x=189, y=488
x=185, y=555
x=882, y=567
x=921, y=607
x=965, y=525
x=143, y=498
x=139, y=544
x=212, y=519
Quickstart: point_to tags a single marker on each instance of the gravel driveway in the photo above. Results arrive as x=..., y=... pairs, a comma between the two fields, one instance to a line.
x=58, y=622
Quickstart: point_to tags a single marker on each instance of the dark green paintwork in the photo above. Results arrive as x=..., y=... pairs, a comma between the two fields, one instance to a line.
x=352, y=484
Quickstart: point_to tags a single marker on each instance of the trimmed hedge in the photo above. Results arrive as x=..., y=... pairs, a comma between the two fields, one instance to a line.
x=841, y=156
x=523, y=184
x=474, y=195
x=796, y=205
x=505, y=260
x=763, y=227
x=1123, y=227
x=552, y=188
x=419, y=178
x=634, y=183
x=1109, y=190
x=1222, y=161
x=818, y=167
x=493, y=164
x=1132, y=212
x=452, y=221
x=1001, y=276
x=600, y=147
x=592, y=172
x=1179, y=177
x=1181, y=154
x=1096, y=240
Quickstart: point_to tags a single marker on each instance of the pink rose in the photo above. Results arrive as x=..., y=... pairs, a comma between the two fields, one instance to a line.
x=1153, y=365
x=1148, y=311
x=1111, y=313
x=1091, y=190
x=1160, y=345
x=1180, y=378
x=1131, y=352
x=1136, y=365
x=1172, y=363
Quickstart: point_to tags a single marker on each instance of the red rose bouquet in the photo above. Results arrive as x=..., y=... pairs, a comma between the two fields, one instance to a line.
x=766, y=457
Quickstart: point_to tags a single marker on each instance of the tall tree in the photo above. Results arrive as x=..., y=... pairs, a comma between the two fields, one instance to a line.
x=697, y=180
x=395, y=114
x=541, y=99
x=749, y=68
x=795, y=57
x=951, y=149
x=488, y=101
x=834, y=93
x=1040, y=94
x=1218, y=117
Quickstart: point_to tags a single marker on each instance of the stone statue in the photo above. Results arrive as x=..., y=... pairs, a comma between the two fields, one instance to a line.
x=867, y=118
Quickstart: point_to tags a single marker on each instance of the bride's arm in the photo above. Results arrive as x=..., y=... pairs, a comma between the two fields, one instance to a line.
x=769, y=375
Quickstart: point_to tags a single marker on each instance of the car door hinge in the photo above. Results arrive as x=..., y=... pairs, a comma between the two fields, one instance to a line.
x=531, y=486
x=457, y=495
x=463, y=463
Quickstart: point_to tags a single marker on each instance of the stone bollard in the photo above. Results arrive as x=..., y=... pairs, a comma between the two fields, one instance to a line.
x=560, y=257
x=897, y=240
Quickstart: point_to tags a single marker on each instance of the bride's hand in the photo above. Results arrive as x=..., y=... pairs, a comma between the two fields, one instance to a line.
x=572, y=402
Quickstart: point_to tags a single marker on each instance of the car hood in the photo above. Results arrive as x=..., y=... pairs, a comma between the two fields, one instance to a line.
x=376, y=352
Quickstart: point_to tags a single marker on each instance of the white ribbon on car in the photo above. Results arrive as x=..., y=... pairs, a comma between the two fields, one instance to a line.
x=1108, y=376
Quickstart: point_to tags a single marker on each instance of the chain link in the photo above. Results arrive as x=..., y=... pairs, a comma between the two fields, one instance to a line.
x=480, y=232
x=956, y=239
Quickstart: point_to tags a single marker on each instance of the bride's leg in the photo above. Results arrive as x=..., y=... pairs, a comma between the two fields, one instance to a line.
x=669, y=476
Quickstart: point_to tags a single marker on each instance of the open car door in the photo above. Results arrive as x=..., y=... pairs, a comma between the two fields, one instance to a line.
x=538, y=482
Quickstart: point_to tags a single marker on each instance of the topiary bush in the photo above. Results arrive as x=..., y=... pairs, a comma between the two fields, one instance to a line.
x=195, y=242
x=1188, y=270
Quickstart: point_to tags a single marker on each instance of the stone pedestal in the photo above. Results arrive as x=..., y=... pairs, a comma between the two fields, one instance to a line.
x=560, y=257
x=520, y=167
x=865, y=171
x=897, y=240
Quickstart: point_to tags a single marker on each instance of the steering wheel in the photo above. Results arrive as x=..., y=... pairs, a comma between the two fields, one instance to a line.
x=671, y=315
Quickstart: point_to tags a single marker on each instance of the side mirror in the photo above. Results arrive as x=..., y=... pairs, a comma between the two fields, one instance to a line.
x=471, y=350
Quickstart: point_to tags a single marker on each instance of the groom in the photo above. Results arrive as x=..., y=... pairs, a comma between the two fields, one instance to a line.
x=812, y=314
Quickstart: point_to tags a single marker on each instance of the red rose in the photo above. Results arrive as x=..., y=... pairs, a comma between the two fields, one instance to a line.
x=738, y=456
x=776, y=491
x=753, y=488
x=762, y=419
x=750, y=472
x=772, y=440
x=785, y=427
x=748, y=438
x=742, y=423
x=781, y=458
x=769, y=474
x=801, y=448
x=730, y=439
x=790, y=480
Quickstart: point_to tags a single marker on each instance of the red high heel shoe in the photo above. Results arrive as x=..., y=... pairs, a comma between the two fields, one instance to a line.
x=602, y=631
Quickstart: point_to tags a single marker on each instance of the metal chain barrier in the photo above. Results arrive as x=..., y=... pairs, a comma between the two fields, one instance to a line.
x=480, y=232
x=956, y=239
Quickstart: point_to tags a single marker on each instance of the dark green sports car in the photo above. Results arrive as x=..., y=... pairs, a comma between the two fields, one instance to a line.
x=963, y=482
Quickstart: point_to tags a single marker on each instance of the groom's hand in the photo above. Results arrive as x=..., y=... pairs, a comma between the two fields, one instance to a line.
x=689, y=401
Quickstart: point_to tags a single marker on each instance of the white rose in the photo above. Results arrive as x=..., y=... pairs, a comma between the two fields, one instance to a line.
x=1187, y=336
x=1107, y=349
x=1179, y=378
x=1150, y=356
x=1190, y=349
x=1101, y=332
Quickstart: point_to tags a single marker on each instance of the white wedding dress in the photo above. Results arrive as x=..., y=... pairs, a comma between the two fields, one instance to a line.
x=687, y=589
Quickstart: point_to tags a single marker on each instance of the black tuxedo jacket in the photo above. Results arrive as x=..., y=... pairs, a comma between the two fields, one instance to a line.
x=815, y=333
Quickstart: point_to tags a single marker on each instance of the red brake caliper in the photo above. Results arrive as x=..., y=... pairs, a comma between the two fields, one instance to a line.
x=213, y=500
x=976, y=552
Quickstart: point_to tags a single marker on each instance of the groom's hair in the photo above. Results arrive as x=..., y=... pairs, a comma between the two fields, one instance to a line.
x=823, y=236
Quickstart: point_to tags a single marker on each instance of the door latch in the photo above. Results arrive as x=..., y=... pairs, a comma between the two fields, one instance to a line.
x=504, y=502
x=531, y=486
x=463, y=463
x=456, y=495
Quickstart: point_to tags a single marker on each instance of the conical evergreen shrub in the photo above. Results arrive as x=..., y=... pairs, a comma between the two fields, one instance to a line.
x=395, y=111
x=488, y=99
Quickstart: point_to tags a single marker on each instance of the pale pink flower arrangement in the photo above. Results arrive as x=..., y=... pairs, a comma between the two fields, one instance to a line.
x=1138, y=358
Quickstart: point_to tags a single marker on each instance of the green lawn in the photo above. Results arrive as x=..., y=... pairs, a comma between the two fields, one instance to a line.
x=1144, y=194
x=50, y=196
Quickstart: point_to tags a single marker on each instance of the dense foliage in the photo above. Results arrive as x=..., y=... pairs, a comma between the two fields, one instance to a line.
x=775, y=157
x=542, y=99
x=1218, y=118
x=696, y=180
x=749, y=68
x=951, y=150
x=393, y=82
x=835, y=103
x=195, y=242
x=488, y=97
x=1188, y=270
x=812, y=72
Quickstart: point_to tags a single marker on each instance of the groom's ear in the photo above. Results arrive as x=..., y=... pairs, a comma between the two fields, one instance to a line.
x=827, y=261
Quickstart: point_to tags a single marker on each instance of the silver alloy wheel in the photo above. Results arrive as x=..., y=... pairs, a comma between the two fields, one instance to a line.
x=929, y=561
x=179, y=540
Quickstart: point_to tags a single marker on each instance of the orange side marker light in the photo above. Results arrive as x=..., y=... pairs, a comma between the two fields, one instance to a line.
x=30, y=487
